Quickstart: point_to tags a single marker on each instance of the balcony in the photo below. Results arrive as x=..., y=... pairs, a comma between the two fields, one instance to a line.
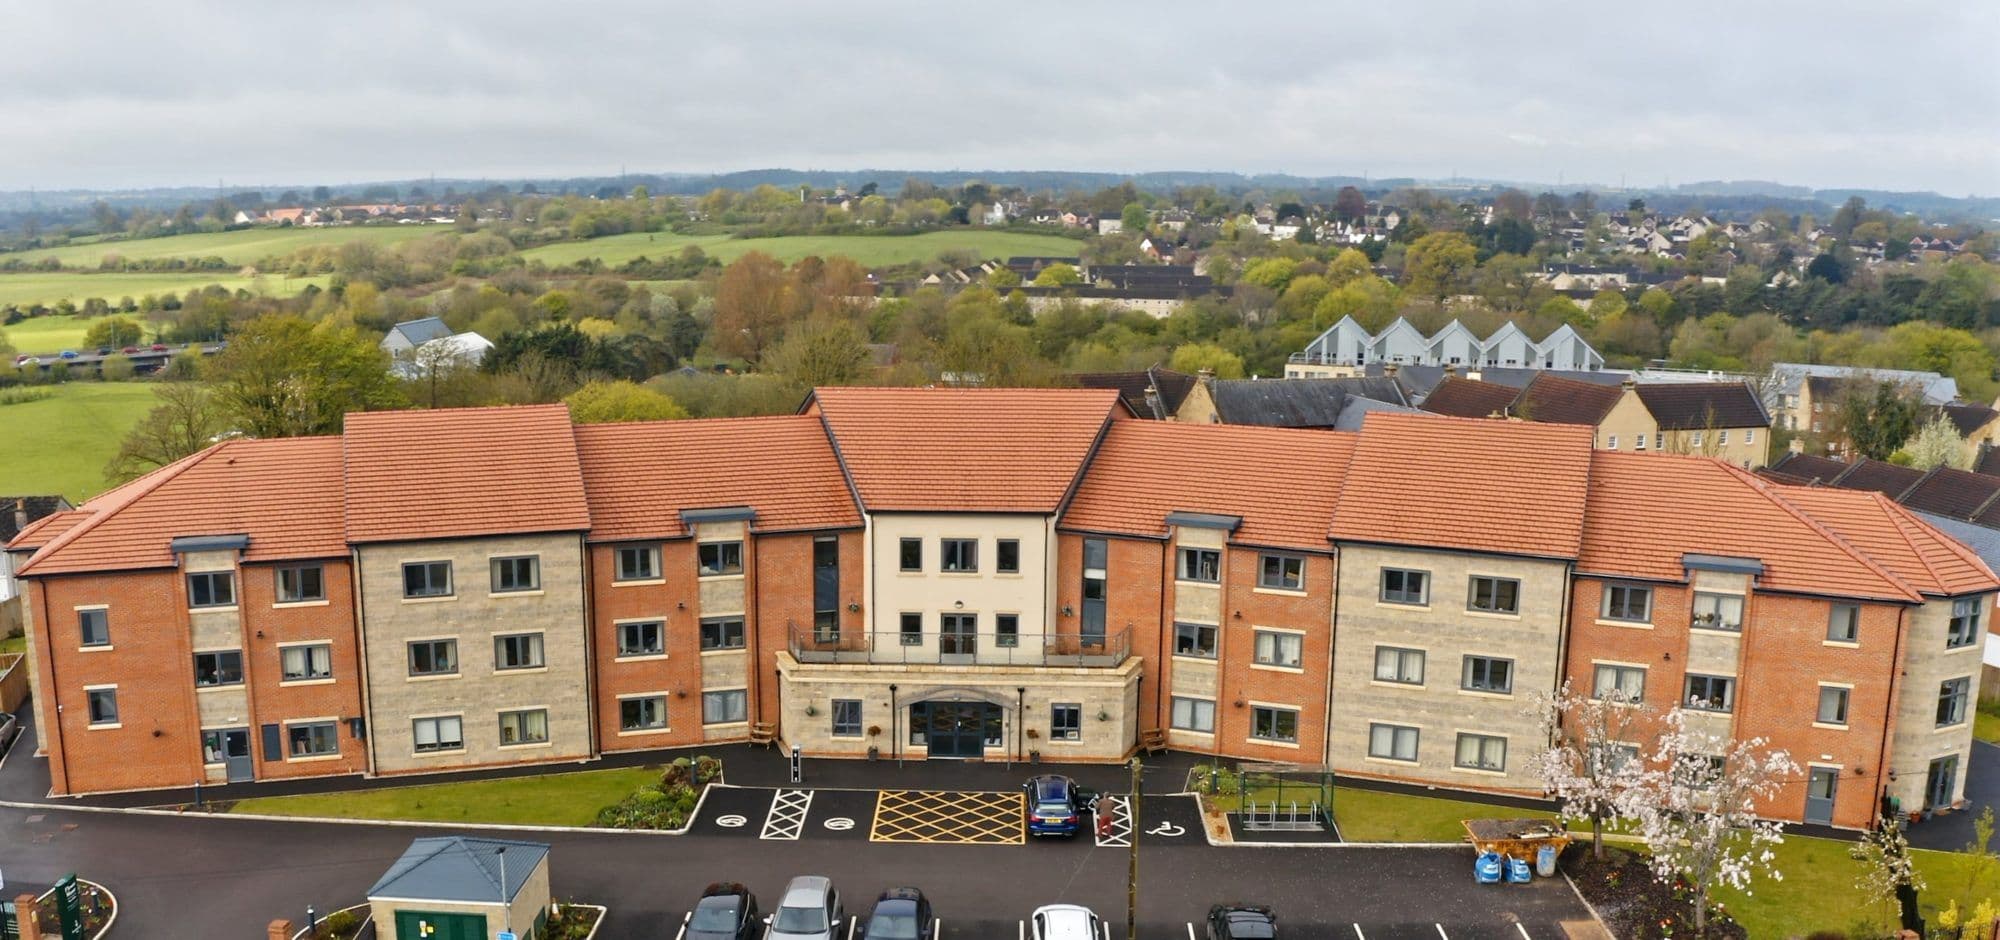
x=1321, y=359
x=932, y=648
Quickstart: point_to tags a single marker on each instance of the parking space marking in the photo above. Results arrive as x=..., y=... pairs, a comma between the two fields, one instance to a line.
x=1190, y=930
x=787, y=817
x=944, y=816
x=1441, y=932
x=1523, y=930
x=1120, y=810
x=1358, y=935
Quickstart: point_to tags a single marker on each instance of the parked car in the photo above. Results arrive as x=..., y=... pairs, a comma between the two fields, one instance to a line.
x=129, y=350
x=26, y=361
x=104, y=350
x=68, y=354
x=159, y=347
x=901, y=914
x=809, y=910
x=1067, y=922
x=1055, y=806
x=726, y=911
x=1241, y=922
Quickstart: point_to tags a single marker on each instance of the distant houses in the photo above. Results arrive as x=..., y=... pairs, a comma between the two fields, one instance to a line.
x=1346, y=348
x=1726, y=420
x=419, y=346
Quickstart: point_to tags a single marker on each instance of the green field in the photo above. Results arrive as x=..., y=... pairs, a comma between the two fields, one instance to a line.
x=870, y=250
x=61, y=444
x=238, y=247
x=570, y=799
x=45, y=287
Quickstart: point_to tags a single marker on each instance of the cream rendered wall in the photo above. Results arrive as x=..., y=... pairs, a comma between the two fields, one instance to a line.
x=724, y=595
x=1447, y=632
x=985, y=592
x=1194, y=602
x=473, y=616
x=1627, y=422
x=1927, y=664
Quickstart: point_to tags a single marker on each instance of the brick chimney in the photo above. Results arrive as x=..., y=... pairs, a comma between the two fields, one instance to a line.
x=280, y=929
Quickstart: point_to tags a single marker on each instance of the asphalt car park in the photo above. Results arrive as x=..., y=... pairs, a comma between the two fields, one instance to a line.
x=931, y=817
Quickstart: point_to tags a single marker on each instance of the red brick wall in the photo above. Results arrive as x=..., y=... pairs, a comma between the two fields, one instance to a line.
x=272, y=703
x=782, y=600
x=1244, y=608
x=679, y=673
x=1138, y=584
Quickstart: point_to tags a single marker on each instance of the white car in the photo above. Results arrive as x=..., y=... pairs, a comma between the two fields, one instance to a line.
x=1067, y=922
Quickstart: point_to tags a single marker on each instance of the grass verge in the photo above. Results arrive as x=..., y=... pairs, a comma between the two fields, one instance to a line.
x=566, y=799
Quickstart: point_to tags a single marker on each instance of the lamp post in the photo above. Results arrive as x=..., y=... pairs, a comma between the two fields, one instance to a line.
x=312, y=918
x=506, y=896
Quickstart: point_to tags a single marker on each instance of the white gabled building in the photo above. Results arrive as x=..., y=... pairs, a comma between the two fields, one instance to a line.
x=1346, y=348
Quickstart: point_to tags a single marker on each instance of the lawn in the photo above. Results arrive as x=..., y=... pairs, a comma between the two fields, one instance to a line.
x=13, y=644
x=1818, y=891
x=238, y=247
x=1986, y=722
x=570, y=799
x=61, y=444
x=46, y=287
x=870, y=250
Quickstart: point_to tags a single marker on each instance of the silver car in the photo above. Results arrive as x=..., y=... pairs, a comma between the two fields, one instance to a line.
x=1067, y=922
x=809, y=910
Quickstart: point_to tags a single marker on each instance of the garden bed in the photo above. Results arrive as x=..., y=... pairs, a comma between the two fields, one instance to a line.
x=1634, y=904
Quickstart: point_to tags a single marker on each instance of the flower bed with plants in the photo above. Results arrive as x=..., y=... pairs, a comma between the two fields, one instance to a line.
x=1635, y=904
x=667, y=804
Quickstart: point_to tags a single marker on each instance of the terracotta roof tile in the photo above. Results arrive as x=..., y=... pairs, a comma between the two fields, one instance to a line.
x=1491, y=486
x=1553, y=400
x=1283, y=482
x=1915, y=551
x=1646, y=511
x=46, y=529
x=640, y=476
x=1470, y=398
x=284, y=494
x=459, y=472
x=963, y=449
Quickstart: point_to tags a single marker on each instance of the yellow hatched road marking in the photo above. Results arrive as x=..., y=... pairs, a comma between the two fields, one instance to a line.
x=935, y=816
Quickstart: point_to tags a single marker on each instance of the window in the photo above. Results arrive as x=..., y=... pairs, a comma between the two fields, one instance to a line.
x=1488, y=674
x=444, y=733
x=222, y=667
x=958, y=554
x=1403, y=586
x=1611, y=442
x=1698, y=771
x=434, y=657
x=312, y=739
x=1718, y=612
x=1284, y=572
x=1007, y=556
x=1194, y=714
x=1392, y=742
x=722, y=633
x=638, y=563
x=518, y=651
x=1090, y=626
x=1274, y=724
x=1200, y=564
x=1610, y=758
x=1711, y=693
x=1065, y=721
x=297, y=663
x=1194, y=639
x=1697, y=439
x=912, y=625
x=1626, y=683
x=1722, y=438
x=1951, y=701
x=1278, y=649
x=1007, y=630
x=1964, y=623
x=1833, y=705
x=1844, y=624
x=648, y=713
x=511, y=575
x=103, y=706
x=427, y=579
x=300, y=584
x=1481, y=752
x=847, y=718
x=528, y=726
x=826, y=590
x=911, y=552
x=95, y=626
x=1628, y=602
x=1638, y=442
x=642, y=638
x=720, y=558
x=1399, y=665
x=212, y=589
x=1494, y=595
x=720, y=708
x=1749, y=435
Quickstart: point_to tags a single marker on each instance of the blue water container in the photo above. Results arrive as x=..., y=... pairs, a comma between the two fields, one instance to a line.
x=1545, y=861
x=1486, y=869
x=1518, y=871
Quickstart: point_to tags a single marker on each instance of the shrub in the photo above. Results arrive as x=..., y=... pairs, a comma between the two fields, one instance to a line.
x=338, y=925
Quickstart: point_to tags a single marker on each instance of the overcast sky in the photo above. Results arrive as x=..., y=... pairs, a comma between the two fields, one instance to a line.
x=1828, y=94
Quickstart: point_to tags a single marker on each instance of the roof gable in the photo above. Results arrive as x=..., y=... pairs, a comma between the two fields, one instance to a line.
x=420, y=331
x=1696, y=406
x=1934, y=563
x=462, y=472
x=1469, y=398
x=1552, y=399
x=641, y=476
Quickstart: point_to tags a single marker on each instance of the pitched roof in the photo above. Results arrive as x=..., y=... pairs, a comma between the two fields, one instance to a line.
x=640, y=476
x=459, y=868
x=1808, y=467
x=963, y=449
x=1968, y=418
x=1172, y=386
x=1880, y=476
x=1458, y=483
x=457, y=472
x=1552, y=399
x=16, y=512
x=1296, y=403
x=1960, y=494
x=1282, y=482
x=284, y=494
x=46, y=529
x=1647, y=511
x=1469, y=398
x=1914, y=550
x=422, y=330
x=1988, y=461
x=1693, y=406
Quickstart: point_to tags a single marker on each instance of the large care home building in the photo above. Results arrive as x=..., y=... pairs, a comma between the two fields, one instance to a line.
x=982, y=573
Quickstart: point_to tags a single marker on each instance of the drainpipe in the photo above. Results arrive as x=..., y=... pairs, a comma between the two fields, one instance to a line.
x=360, y=658
x=590, y=681
x=52, y=722
x=1020, y=722
x=1882, y=769
x=895, y=722
x=1332, y=639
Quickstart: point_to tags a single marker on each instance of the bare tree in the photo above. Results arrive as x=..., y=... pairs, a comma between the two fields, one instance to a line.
x=186, y=420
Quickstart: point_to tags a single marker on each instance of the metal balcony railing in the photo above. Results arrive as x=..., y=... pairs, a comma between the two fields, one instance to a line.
x=933, y=648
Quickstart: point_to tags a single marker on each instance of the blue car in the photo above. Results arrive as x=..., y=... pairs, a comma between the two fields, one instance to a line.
x=1055, y=807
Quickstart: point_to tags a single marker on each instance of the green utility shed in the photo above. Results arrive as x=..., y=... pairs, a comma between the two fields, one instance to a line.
x=462, y=888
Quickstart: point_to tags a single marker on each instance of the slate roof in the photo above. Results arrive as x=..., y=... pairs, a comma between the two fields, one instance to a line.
x=1457, y=483
x=1355, y=411
x=1296, y=403
x=1880, y=476
x=1469, y=398
x=1807, y=467
x=1988, y=461
x=457, y=472
x=1131, y=387
x=1693, y=406
x=459, y=868
x=640, y=476
x=421, y=331
x=16, y=512
x=1968, y=418
x=1551, y=399
x=1283, y=482
x=1960, y=494
x=963, y=449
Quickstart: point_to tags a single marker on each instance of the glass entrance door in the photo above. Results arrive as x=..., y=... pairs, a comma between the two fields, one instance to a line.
x=958, y=637
x=1942, y=782
x=955, y=729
